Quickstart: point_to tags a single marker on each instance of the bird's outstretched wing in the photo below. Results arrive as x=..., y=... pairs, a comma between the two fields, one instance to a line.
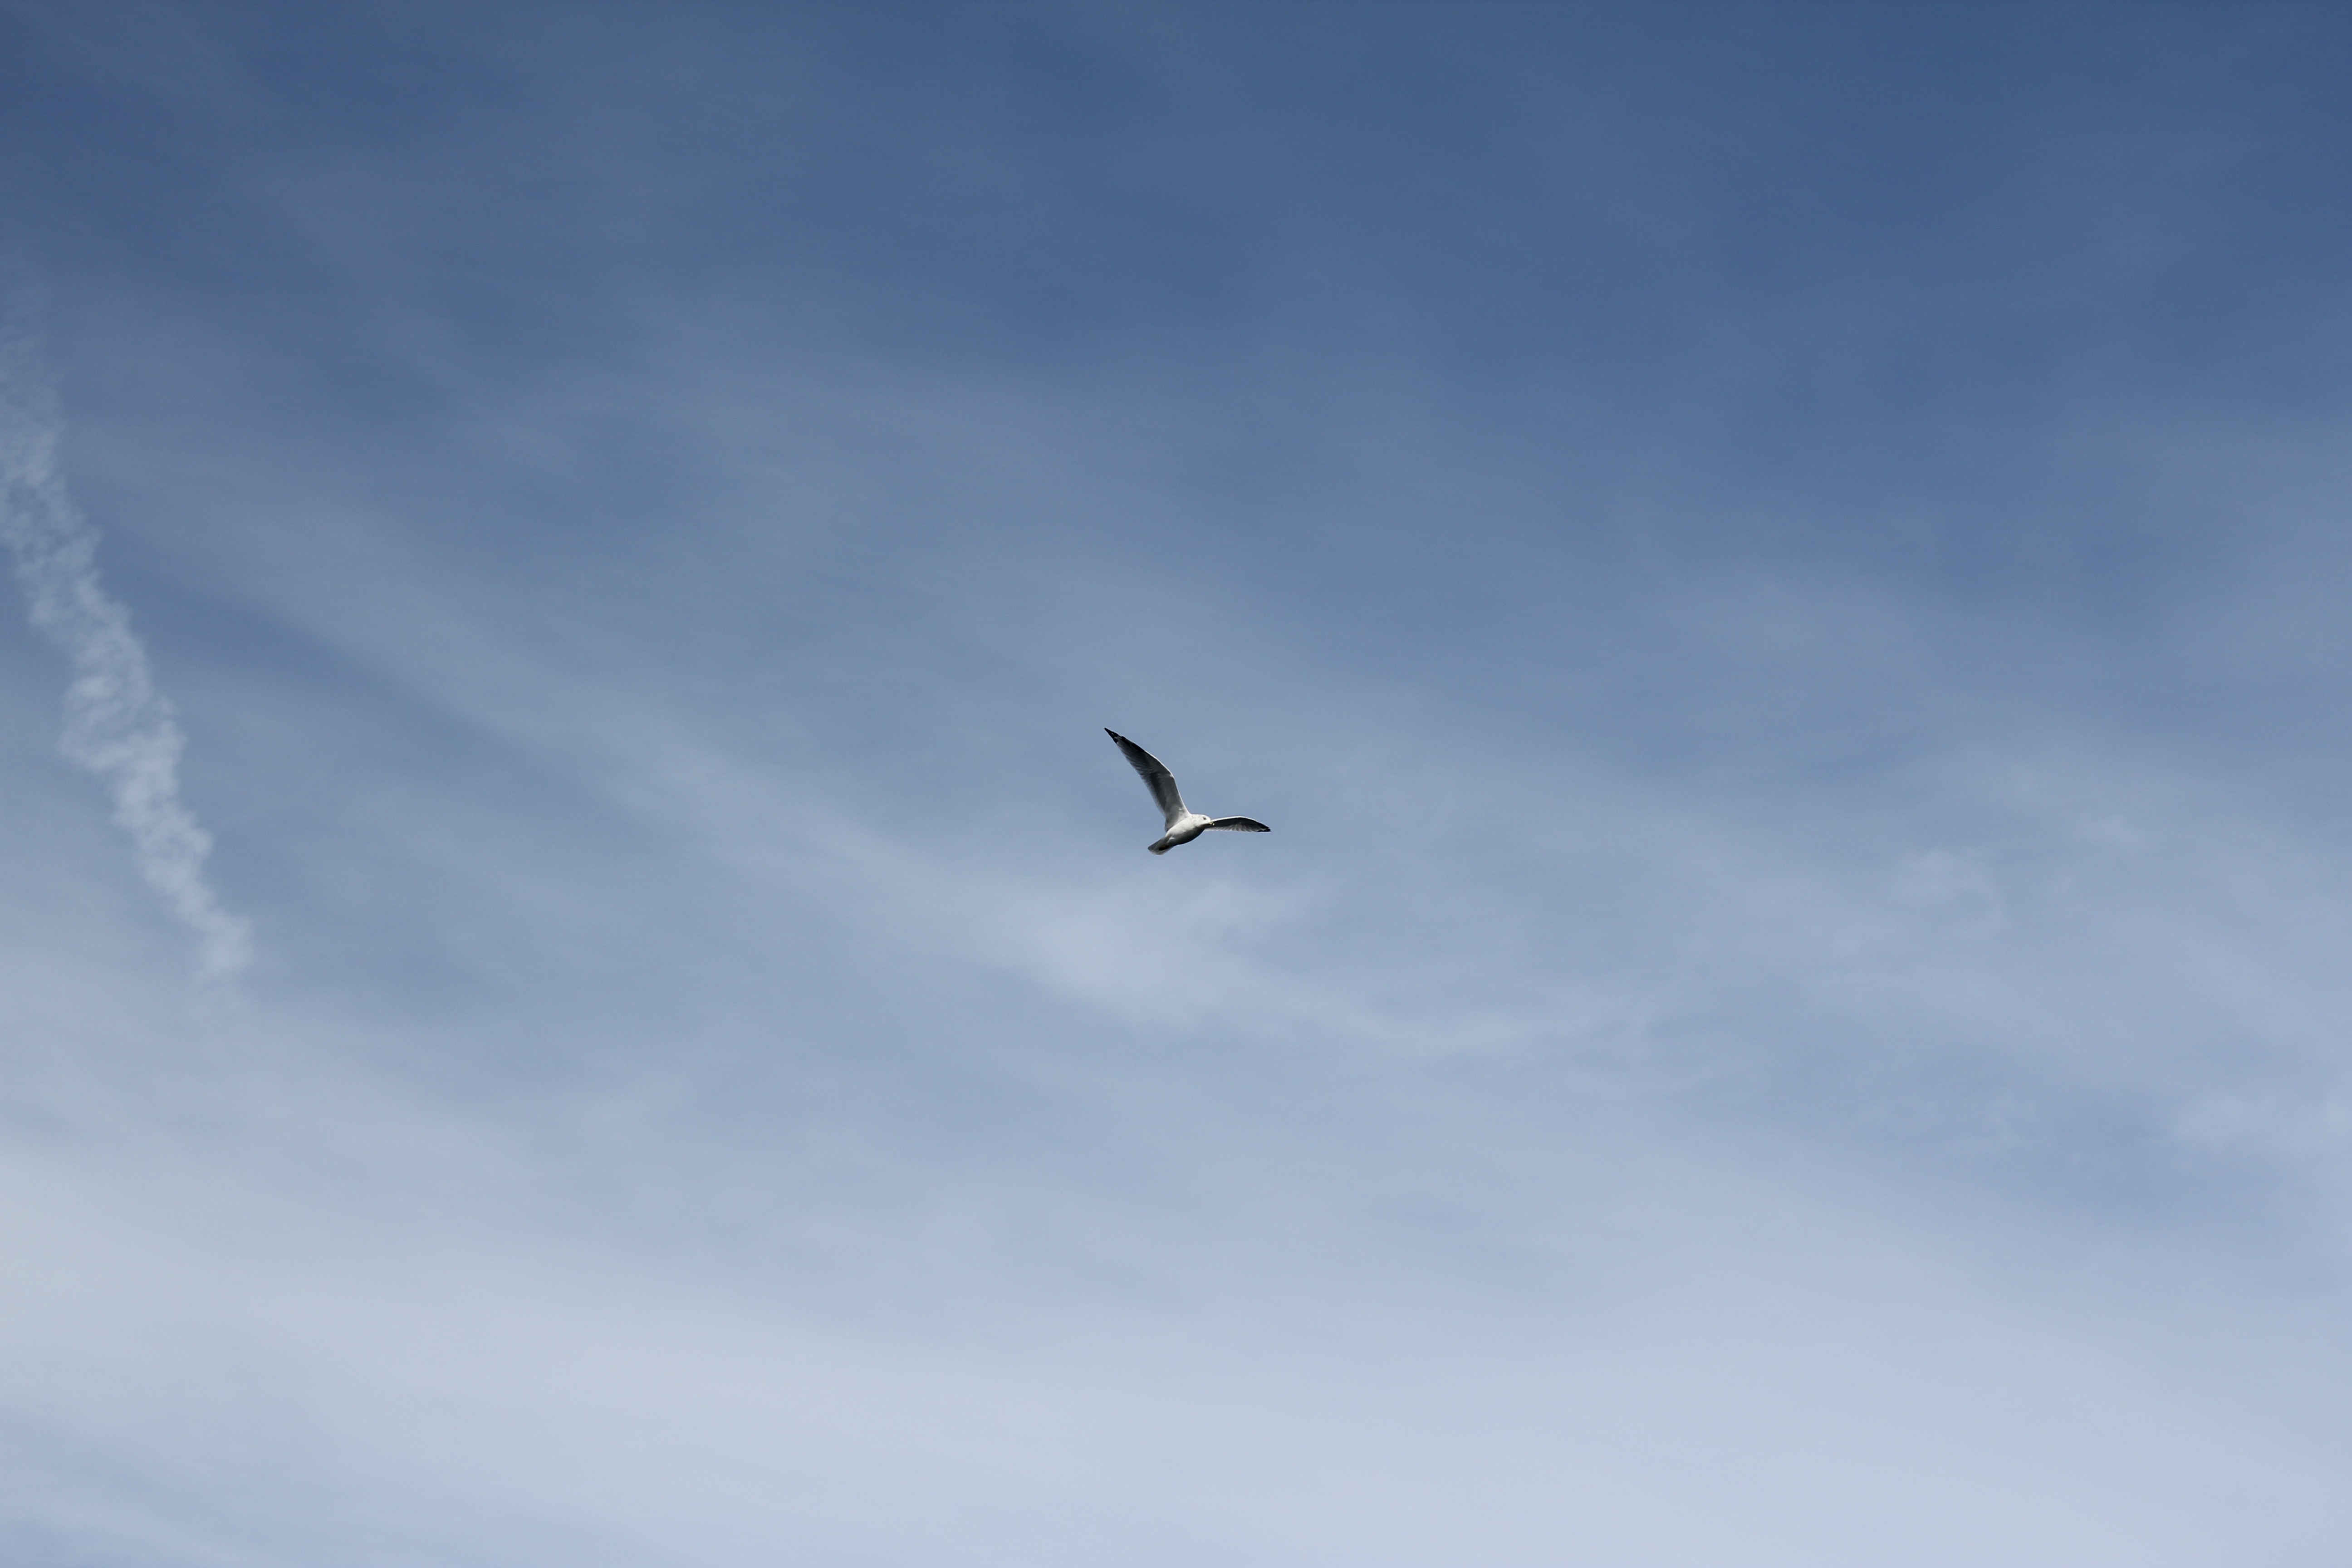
x=1156, y=778
x=1236, y=824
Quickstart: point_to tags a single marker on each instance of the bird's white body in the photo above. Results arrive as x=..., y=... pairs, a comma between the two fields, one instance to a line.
x=1185, y=824
x=1183, y=830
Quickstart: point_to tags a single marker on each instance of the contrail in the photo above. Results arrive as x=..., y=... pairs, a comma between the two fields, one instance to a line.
x=117, y=724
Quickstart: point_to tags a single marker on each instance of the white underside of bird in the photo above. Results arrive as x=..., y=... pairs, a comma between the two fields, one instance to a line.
x=1185, y=824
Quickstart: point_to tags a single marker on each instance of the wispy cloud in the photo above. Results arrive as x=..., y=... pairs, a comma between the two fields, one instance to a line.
x=118, y=724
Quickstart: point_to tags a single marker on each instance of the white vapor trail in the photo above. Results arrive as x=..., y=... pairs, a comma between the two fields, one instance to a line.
x=118, y=724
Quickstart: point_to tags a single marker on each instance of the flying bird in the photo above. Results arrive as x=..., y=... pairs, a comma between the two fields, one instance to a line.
x=1183, y=826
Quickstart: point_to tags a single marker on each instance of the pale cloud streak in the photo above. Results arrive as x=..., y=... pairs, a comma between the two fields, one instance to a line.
x=118, y=724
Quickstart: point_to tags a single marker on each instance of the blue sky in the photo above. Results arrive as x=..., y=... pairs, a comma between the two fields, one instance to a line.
x=581, y=983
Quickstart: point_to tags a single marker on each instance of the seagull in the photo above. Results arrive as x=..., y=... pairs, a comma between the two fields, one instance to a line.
x=1183, y=826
